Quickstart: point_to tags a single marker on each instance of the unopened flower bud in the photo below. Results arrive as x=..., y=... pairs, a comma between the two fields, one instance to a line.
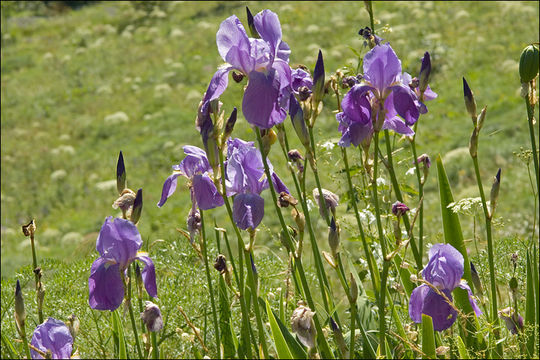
x=302, y=324
x=299, y=219
x=73, y=324
x=338, y=335
x=333, y=236
x=30, y=228
x=399, y=209
x=286, y=199
x=481, y=118
x=251, y=24
x=353, y=288
x=229, y=125
x=529, y=63
x=318, y=79
x=425, y=71
x=513, y=284
x=120, y=174
x=473, y=143
x=221, y=263
x=476, y=279
x=331, y=200
x=237, y=77
x=20, y=313
x=297, y=118
x=494, y=195
x=269, y=137
x=137, y=207
x=470, y=103
x=151, y=316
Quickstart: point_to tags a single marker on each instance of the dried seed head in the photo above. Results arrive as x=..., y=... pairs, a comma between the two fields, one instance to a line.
x=151, y=316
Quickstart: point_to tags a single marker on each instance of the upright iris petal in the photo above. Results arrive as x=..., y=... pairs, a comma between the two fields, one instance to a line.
x=118, y=244
x=54, y=336
x=355, y=119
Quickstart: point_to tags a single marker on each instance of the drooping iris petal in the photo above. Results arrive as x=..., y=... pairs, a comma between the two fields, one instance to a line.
x=120, y=240
x=218, y=84
x=52, y=335
x=231, y=33
x=381, y=66
x=279, y=186
x=206, y=193
x=106, y=289
x=445, y=267
x=260, y=99
x=416, y=303
x=248, y=210
x=404, y=104
x=398, y=126
x=439, y=309
x=169, y=187
x=355, y=120
x=148, y=274
x=474, y=305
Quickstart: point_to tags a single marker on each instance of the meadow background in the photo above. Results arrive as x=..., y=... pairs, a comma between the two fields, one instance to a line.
x=80, y=85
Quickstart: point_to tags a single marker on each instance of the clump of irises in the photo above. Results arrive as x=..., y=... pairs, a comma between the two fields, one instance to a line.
x=373, y=109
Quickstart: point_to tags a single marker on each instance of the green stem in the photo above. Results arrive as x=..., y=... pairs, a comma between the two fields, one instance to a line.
x=155, y=349
x=36, y=278
x=372, y=267
x=530, y=116
x=321, y=273
x=26, y=347
x=245, y=313
x=131, y=316
x=494, y=317
x=382, y=240
x=420, y=193
x=209, y=279
x=255, y=296
x=313, y=165
x=399, y=196
x=353, y=330
x=322, y=340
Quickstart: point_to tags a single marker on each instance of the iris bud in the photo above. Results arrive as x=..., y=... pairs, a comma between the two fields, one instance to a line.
x=476, y=279
x=20, y=313
x=473, y=143
x=251, y=24
x=120, y=174
x=494, y=195
x=137, y=207
x=333, y=236
x=318, y=79
x=297, y=118
x=481, y=118
x=425, y=71
x=353, y=289
x=338, y=335
x=151, y=316
x=229, y=125
x=529, y=63
x=470, y=103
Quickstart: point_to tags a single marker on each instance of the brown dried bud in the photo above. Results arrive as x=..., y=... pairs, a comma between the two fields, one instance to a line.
x=331, y=200
x=30, y=228
x=286, y=199
x=303, y=93
x=125, y=201
x=73, y=324
x=221, y=264
x=302, y=324
x=237, y=77
x=151, y=316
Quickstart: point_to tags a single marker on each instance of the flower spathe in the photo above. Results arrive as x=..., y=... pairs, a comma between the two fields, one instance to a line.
x=264, y=61
x=196, y=168
x=54, y=336
x=118, y=244
x=443, y=271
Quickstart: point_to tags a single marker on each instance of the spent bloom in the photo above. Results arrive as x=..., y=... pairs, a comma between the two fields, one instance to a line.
x=52, y=337
x=399, y=209
x=384, y=100
x=246, y=179
x=118, y=244
x=197, y=169
x=264, y=61
x=302, y=324
x=443, y=271
x=151, y=316
x=512, y=320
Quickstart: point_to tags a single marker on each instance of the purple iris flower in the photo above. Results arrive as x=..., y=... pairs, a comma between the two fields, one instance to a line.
x=246, y=179
x=118, y=244
x=300, y=78
x=444, y=271
x=264, y=61
x=54, y=336
x=195, y=167
x=385, y=91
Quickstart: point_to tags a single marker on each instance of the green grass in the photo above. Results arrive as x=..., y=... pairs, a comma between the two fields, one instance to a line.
x=63, y=74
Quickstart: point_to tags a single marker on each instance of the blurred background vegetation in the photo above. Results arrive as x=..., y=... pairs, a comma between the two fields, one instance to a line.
x=80, y=82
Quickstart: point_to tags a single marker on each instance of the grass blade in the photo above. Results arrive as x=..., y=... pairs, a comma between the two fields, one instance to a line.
x=282, y=348
x=462, y=350
x=530, y=309
x=119, y=330
x=428, y=338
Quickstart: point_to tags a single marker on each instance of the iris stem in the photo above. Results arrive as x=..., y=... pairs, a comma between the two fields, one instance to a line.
x=487, y=216
x=127, y=283
x=209, y=279
x=298, y=261
x=155, y=349
x=245, y=312
x=313, y=165
x=530, y=116
x=36, y=277
x=420, y=192
x=372, y=267
x=399, y=196
x=321, y=274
